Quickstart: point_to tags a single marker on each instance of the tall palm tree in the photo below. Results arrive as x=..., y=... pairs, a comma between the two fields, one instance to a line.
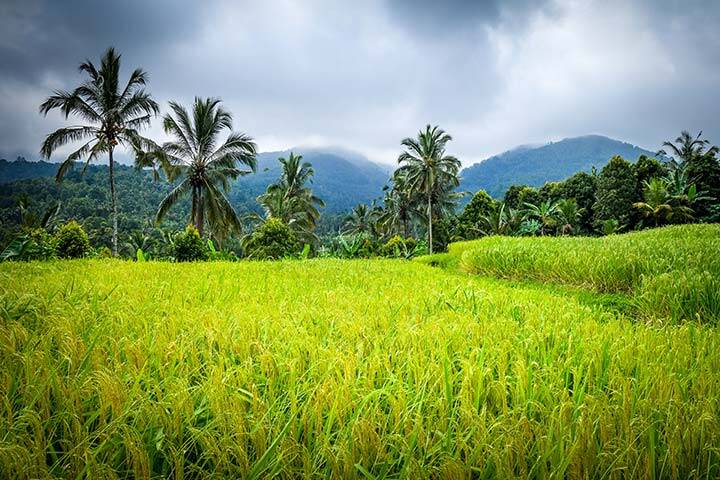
x=398, y=206
x=428, y=169
x=686, y=148
x=291, y=200
x=112, y=116
x=204, y=167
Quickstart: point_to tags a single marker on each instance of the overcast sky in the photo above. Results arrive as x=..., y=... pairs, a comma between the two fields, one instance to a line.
x=364, y=74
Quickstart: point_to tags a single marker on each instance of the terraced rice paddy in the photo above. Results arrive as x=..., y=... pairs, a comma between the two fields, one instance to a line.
x=353, y=369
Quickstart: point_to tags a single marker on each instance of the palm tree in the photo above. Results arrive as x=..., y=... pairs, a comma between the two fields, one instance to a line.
x=361, y=220
x=291, y=200
x=656, y=202
x=568, y=214
x=204, y=168
x=112, y=117
x=428, y=169
x=686, y=148
x=546, y=213
x=398, y=206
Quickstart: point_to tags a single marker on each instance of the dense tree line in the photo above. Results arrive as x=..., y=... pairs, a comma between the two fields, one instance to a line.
x=185, y=182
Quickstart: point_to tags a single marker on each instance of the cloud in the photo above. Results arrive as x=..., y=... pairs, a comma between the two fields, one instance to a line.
x=363, y=75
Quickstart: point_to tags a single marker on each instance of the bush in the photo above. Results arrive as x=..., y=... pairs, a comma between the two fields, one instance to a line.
x=189, y=246
x=71, y=241
x=274, y=239
x=36, y=244
x=398, y=247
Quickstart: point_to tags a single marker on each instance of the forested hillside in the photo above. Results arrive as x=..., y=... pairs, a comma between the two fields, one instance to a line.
x=533, y=166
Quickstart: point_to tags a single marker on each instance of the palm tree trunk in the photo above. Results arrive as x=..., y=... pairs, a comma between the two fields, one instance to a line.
x=429, y=214
x=199, y=219
x=113, y=199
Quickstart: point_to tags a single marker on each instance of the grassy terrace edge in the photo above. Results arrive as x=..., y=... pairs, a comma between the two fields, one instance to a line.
x=670, y=273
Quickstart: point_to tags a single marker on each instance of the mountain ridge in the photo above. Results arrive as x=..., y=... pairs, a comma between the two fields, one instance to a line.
x=553, y=161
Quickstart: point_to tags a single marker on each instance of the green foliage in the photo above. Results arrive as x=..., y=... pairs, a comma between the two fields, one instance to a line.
x=71, y=241
x=518, y=195
x=292, y=200
x=36, y=244
x=188, y=246
x=470, y=221
x=430, y=172
x=581, y=187
x=398, y=247
x=272, y=239
x=322, y=368
x=627, y=263
x=616, y=193
x=204, y=173
x=112, y=112
x=535, y=166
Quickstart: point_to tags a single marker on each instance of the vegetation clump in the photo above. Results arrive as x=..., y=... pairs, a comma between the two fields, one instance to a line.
x=189, y=246
x=272, y=240
x=71, y=241
x=671, y=272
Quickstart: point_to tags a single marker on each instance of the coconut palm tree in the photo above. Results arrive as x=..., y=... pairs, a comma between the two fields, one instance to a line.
x=112, y=116
x=545, y=213
x=362, y=220
x=429, y=171
x=568, y=213
x=686, y=148
x=656, y=202
x=204, y=167
x=291, y=200
x=399, y=206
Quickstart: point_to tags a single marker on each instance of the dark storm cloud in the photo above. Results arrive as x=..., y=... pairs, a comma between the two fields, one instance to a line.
x=365, y=74
x=41, y=36
x=430, y=18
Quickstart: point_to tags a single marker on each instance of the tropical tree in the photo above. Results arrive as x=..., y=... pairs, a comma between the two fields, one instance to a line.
x=497, y=221
x=112, y=115
x=686, y=148
x=205, y=169
x=656, y=204
x=362, y=220
x=615, y=194
x=545, y=213
x=399, y=207
x=428, y=169
x=291, y=200
x=568, y=214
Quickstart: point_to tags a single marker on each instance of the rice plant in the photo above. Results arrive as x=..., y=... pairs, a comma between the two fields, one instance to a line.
x=339, y=369
x=672, y=273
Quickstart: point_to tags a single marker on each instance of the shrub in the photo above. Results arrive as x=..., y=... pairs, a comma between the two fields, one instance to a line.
x=189, y=246
x=71, y=241
x=273, y=239
x=398, y=247
x=36, y=244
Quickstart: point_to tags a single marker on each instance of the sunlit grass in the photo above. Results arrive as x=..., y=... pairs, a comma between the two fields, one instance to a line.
x=672, y=273
x=339, y=369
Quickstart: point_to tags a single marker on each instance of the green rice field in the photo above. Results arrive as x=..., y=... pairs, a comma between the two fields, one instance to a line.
x=369, y=369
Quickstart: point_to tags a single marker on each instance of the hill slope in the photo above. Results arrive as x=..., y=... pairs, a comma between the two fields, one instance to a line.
x=534, y=166
x=341, y=182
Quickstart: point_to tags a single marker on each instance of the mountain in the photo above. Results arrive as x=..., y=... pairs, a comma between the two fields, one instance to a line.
x=342, y=179
x=535, y=165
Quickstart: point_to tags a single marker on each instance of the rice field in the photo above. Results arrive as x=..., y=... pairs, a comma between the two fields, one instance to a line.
x=340, y=369
x=671, y=274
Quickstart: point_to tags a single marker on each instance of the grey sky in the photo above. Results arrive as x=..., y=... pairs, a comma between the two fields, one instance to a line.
x=363, y=75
